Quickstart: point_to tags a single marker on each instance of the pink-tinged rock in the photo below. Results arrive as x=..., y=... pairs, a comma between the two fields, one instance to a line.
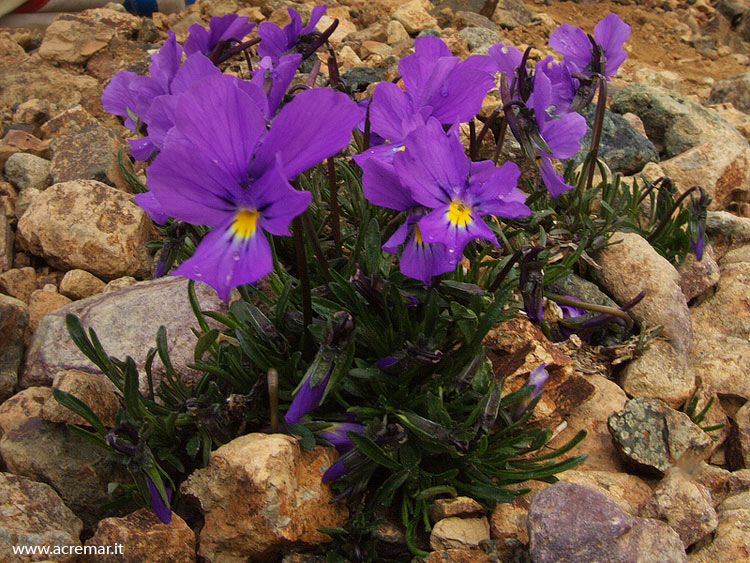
x=571, y=523
x=148, y=304
x=88, y=225
x=262, y=494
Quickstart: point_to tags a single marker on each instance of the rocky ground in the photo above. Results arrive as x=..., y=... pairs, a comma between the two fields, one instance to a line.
x=655, y=486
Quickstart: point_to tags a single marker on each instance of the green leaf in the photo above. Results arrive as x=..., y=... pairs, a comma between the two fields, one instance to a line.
x=373, y=451
x=305, y=435
x=80, y=408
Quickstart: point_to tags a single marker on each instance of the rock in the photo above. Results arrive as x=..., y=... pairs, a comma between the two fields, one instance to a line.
x=8, y=200
x=33, y=112
x=7, y=240
x=143, y=539
x=18, y=141
x=95, y=391
x=119, y=283
x=739, y=120
x=344, y=28
x=50, y=453
x=627, y=491
x=88, y=225
x=359, y=78
x=52, y=351
x=18, y=283
x=653, y=437
x=27, y=171
x=592, y=416
x=715, y=479
x=83, y=149
x=21, y=406
x=631, y=266
x=474, y=19
x=698, y=277
x=459, y=533
x=376, y=48
x=510, y=14
x=14, y=319
x=376, y=32
x=25, y=197
x=33, y=515
x=684, y=505
x=459, y=556
x=42, y=302
x=348, y=58
x=721, y=166
x=738, y=451
x=726, y=229
x=80, y=284
x=414, y=17
x=673, y=123
x=480, y=39
x=735, y=90
x=623, y=149
x=731, y=541
x=261, y=494
x=74, y=39
x=660, y=372
x=517, y=347
x=459, y=507
x=574, y=523
x=396, y=32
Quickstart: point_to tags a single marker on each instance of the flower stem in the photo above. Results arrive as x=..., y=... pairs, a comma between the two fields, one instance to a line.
x=666, y=218
x=303, y=275
x=333, y=189
x=590, y=307
x=317, y=249
x=596, y=135
x=273, y=397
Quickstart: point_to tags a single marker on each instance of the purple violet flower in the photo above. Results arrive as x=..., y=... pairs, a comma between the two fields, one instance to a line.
x=537, y=378
x=440, y=177
x=274, y=78
x=163, y=511
x=220, y=28
x=578, y=52
x=307, y=399
x=570, y=312
x=336, y=434
x=276, y=42
x=220, y=167
x=335, y=471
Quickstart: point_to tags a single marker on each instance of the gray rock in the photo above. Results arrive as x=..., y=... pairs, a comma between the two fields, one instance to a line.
x=474, y=19
x=572, y=523
x=480, y=39
x=14, y=318
x=510, y=14
x=88, y=225
x=25, y=170
x=359, y=78
x=735, y=90
x=78, y=470
x=623, y=149
x=148, y=305
x=653, y=437
x=630, y=265
x=673, y=123
x=698, y=277
x=727, y=229
x=33, y=515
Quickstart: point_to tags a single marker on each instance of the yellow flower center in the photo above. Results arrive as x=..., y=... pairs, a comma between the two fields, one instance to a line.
x=417, y=235
x=245, y=223
x=459, y=214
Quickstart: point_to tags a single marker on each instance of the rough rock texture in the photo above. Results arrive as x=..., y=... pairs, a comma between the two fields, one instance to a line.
x=79, y=284
x=78, y=470
x=459, y=533
x=698, y=277
x=683, y=504
x=654, y=437
x=592, y=416
x=32, y=514
x=508, y=520
x=627, y=491
x=738, y=453
x=7, y=240
x=261, y=495
x=144, y=539
x=659, y=373
x=414, y=17
x=731, y=540
x=631, y=266
x=673, y=123
x=42, y=302
x=89, y=225
x=578, y=524
x=24, y=404
x=721, y=324
x=623, y=148
x=459, y=507
x=52, y=351
x=28, y=171
x=458, y=556
x=18, y=283
x=72, y=39
x=14, y=319
x=735, y=90
x=96, y=391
